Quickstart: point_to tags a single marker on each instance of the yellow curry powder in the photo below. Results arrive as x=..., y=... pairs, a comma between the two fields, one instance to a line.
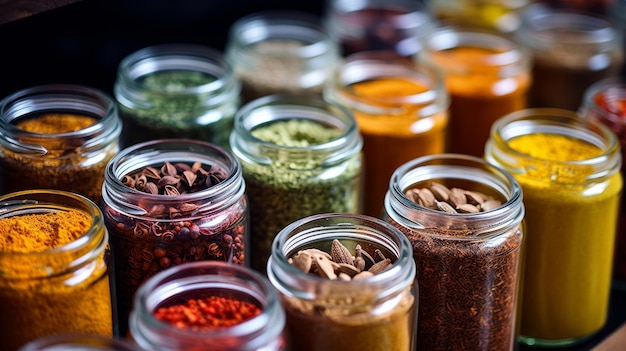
x=38, y=295
x=394, y=135
x=570, y=233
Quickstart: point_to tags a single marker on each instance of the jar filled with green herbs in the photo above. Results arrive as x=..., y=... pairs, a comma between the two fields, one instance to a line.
x=300, y=157
x=176, y=91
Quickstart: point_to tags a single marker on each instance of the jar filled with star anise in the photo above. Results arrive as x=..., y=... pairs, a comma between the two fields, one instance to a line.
x=167, y=202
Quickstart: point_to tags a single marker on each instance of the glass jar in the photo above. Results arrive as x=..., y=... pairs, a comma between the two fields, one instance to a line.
x=57, y=137
x=571, y=50
x=300, y=156
x=467, y=253
x=171, y=222
x=55, y=276
x=78, y=342
x=605, y=101
x=487, y=76
x=209, y=282
x=280, y=52
x=569, y=170
x=377, y=25
x=617, y=11
x=401, y=111
x=176, y=91
x=502, y=16
x=375, y=313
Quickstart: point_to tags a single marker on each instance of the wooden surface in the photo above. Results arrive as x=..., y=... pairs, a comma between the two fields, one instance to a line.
x=614, y=342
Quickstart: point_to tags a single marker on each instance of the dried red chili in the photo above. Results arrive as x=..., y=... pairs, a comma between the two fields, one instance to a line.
x=613, y=103
x=207, y=313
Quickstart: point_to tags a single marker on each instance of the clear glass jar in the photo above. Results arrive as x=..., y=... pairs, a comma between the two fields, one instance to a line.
x=280, y=52
x=401, y=111
x=468, y=262
x=501, y=16
x=62, y=287
x=177, y=91
x=377, y=313
x=202, y=280
x=571, y=50
x=314, y=165
x=78, y=342
x=569, y=170
x=377, y=25
x=152, y=232
x=57, y=137
x=617, y=11
x=487, y=76
x=605, y=101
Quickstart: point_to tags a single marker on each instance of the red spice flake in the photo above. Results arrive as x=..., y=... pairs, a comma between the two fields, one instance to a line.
x=613, y=102
x=208, y=313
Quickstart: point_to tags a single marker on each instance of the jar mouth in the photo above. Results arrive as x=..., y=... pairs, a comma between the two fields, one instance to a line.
x=612, y=91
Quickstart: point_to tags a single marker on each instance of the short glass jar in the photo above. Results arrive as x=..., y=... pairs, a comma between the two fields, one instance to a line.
x=401, y=111
x=325, y=311
x=280, y=52
x=571, y=50
x=502, y=16
x=569, y=171
x=55, y=269
x=605, y=101
x=300, y=156
x=153, y=327
x=168, y=202
x=57, y=137
x=487, y=76
x=176, y=91
x=78, y=342
x=377, y=25
x=463, y=218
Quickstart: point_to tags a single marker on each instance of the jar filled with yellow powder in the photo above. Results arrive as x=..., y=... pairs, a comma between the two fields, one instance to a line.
x=569, y=170
x=53, y=267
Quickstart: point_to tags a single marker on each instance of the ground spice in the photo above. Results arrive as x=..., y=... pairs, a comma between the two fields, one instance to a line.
x=40, y=298
x=209, y=313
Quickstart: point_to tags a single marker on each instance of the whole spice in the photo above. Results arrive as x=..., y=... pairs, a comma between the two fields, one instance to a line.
x=46, y=286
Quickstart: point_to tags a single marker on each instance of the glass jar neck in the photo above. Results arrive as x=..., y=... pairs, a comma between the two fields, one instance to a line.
x=59, y=99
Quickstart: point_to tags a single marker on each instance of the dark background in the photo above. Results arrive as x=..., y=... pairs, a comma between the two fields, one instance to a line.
x=82, y=42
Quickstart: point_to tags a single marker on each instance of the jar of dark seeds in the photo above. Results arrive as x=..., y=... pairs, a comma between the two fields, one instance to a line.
x=176, y=91
x=300, y=157
x=280, y=52
x=57, y=137
x=168, y=202
x=463, y=219
x=347, y=282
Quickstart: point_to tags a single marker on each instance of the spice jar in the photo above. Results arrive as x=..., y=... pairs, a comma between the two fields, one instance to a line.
x=401, y=111
x=568, y=168
x=377, y=25
x=169, y=202
x=208, y=305
x=57, y=137
x=280, y=52
x=177, y=91
x=347, y=282
x=78, y=342
x=300, y=156
x=463, y=219
x=54, y=264
x=571, y=50
x=487, y=76
x=501, y=16
x=605, y=101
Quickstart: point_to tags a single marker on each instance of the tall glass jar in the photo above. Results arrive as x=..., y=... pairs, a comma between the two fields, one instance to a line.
x=168, y=202
x=153, y=329
x=487, y=76
x=176, y=91
x=377, y=25
x=501, y=16
x=57, y=137
x=280, y=52
x=55, y=268
x=569, y=170
x=300, y=156
x=571, y=50
x=605, y=101
x=78, y=342
x=401, y=111
x=345, y=308
x=463, y=218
